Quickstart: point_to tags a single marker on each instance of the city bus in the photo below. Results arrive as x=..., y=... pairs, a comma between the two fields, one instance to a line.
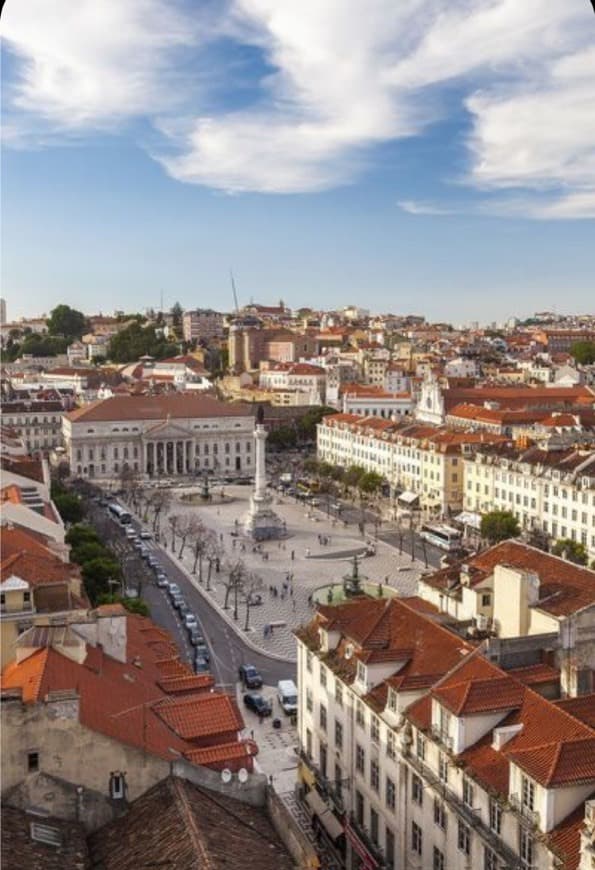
x=441, y=536
x=118, y=513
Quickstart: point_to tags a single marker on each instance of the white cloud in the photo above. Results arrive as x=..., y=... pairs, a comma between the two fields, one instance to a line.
x=346, y=77
x=93, y=64
x=415, y=207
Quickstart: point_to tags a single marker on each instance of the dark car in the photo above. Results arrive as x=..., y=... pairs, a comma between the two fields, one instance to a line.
x=250, y=677
x=203, y=650
x=195, y=637
x=201, y=665
x=259, y=705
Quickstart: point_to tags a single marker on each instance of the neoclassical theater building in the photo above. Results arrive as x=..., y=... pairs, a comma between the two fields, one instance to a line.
x=171, y=435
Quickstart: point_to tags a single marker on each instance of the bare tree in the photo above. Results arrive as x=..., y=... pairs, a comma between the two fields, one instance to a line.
x=173, y=521
x=235, y=573
x=201, y=534
x=187, y=527
x=214, y=554
x=252, y=587
x=161, y=503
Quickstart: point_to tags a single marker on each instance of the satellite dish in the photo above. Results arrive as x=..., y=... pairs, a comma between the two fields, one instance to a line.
x=226, y=775
x=243, y=774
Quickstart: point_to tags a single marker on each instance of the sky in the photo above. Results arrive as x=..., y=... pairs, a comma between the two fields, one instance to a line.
x=434, y=157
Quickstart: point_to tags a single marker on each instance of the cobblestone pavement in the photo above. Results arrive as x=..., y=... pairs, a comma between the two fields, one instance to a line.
x=289, y=607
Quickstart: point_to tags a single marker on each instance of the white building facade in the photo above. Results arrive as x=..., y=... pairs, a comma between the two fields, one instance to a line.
x=172, y=435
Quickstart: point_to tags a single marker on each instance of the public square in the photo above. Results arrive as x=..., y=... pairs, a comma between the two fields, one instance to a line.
x=317, y=551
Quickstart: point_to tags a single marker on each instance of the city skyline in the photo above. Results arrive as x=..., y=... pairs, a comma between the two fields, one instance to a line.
x=406, y=162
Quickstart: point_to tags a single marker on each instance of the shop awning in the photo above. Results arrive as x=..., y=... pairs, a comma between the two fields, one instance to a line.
x=333, y=826
x=469, y=518
x=408, y=497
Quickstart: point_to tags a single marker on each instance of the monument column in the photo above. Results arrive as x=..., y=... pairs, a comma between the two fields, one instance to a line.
x=260, y=476
x=261, y=522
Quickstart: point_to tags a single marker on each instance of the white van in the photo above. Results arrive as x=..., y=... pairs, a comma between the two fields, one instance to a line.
x=287, y=695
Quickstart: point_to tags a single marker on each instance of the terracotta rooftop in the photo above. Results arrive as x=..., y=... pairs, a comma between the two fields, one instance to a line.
x=130, y=701
x=178, y=825
x=37, y=569
x=20, y=850
x=582, y=707
x=180, y=405
x=564, y=587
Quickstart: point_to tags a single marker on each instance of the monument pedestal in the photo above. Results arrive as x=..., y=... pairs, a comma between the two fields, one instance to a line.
x=261, y=523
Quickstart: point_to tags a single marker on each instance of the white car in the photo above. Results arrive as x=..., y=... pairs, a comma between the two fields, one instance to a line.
x=190, y=620
x=146, y=535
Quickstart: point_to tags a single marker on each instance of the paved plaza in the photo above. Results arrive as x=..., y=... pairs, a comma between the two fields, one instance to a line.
x=286, y=604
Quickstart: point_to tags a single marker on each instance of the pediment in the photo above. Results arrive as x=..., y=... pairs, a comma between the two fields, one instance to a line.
x=168, y=430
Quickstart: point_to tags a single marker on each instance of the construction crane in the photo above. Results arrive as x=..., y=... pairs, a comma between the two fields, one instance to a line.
x=235, y=295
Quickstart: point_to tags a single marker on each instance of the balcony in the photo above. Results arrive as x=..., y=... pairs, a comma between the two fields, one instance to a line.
x=363, y=835
x=468, y=815
x=329, y=788
x=528, y=817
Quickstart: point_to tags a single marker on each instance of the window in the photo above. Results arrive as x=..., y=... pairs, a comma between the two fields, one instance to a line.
x=375, y=729
x=374, y=826
x=391, y=750
x=464, y=838
x=309, y=700
x=116, y=785
x=486, y=599
x=2, y=599
x=390, y=793
x=322, y=675
x=495, y=816
x=362, y=672
x=339, y=693
x=416, y=839
x=389, y=849
x=26, y=597
x=467, y=792
x=490, y=859
x=392, y=701
x=420, y=746
x=359, y=808
x=338, y=734
x=439, y=814
x=338, y=781
x=528, y=793
x=360, y=758
x=526, y=848
x=308, y=743
x=309, y=658
x=438, y=859
x=417, y=790
x=443, y=767
x=359, y=714
x=323, y=760
x=374, y=775
x=47, y=834
x=32, y=762
x=323, y=717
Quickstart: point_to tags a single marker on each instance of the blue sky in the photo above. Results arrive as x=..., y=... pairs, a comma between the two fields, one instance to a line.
x=425, y=157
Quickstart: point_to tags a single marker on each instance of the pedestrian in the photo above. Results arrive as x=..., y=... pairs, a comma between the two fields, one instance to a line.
x=308, y=553
x=221, y=537
x=233, y=544
x=260, y=718
x=293, y=555
x=293, y=605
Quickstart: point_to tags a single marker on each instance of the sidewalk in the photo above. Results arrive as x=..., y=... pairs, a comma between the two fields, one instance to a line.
x=290, y=607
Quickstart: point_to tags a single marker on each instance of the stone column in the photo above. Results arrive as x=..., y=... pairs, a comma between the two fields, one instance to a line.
x=260, y=478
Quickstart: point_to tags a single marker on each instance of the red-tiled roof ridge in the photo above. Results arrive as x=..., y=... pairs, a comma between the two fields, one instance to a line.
x=558, y=763
x=582, y=707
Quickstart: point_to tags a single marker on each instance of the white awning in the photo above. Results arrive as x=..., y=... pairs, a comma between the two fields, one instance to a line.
x=333, y=826
x=408, y=497
x=469, y=518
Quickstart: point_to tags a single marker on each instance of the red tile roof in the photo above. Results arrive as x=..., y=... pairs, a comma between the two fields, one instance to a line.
x=131, y=701
x=181, y=405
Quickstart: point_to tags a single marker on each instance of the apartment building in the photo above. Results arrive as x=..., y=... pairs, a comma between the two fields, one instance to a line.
x=37, y=421
x=551, y=489
x=417, y=752
x=513, y=590
x=173, y=434
x=422, y=460
x=301, y=377
x=202, y=323
x=376, y=402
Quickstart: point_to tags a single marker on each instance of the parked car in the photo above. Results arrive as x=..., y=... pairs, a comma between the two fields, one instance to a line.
x=143, y=552
x=146, y=535
x=130, y=533
x=250, y=677
x=201, y=665
x=174, y=589
x=180, y=604
x=203, y=650
x=190, y=620
x=138, y=545
x=287, y=695
x=162, y=581
x=259, y=705
x=195, y=637
x=152, y=562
